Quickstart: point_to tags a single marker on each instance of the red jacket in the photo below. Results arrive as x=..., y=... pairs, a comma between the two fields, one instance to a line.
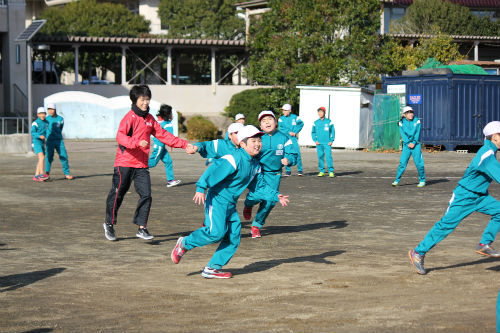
x=132, y=130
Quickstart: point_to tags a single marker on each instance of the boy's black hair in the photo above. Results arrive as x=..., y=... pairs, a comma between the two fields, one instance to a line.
x=165, y=112
x=139, y=90
x=489, y=137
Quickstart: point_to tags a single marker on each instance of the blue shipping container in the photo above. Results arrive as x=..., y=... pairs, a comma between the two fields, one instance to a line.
x=454, y=108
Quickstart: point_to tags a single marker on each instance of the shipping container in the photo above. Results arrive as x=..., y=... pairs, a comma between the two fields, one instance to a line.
x=453, y=108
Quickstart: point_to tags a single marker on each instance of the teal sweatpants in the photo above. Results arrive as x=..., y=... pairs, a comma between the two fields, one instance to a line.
x=299, y=157
x=267, y=202
x=463, y=203
x=418, y=158
x=222, y=223
x=58, y=145
x=161, y=154
x=324, y=151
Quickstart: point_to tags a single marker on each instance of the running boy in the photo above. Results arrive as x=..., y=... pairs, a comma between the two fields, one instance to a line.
x=131, y=163
x=38, y=132
x=160, y=152
x=225, y=180
x=220, y=147
x=290, y=124
x=55, y=141
x=277, y=151
x=470, y=195
x=409, y=128
x=323, y=134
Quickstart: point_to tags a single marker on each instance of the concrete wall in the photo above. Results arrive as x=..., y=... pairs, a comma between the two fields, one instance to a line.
x=149, y=9
x=15, y=143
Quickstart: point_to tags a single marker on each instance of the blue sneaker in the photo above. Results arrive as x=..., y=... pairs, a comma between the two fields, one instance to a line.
x=417, y=261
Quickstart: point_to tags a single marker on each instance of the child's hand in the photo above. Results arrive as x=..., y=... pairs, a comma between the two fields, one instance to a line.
x=291, y=133
x=283, y=199
x=284, y=161
x=411, y=145
x=42, y=137
x=191, y=149
x=317, y=143
x=143, y=143
x=199, y=198
x=329, y=143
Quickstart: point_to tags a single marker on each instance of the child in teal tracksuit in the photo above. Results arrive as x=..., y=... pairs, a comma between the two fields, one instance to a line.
x=225, y=180
x=160, y=152
x=469, y=196
x=220, y=147
x=55, y=141
x=409, y=128
x=290, y=124
x=38, y=133
x=323, y=134
x=277, y=151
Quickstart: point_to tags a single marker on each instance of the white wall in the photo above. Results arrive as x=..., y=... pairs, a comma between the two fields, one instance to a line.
x=149, y=9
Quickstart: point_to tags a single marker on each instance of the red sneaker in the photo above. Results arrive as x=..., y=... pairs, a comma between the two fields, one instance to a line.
x=255, y=232
x=178, y=251
x=44, y=177
x=37, y=179
x=247, y=213
x=211, y=273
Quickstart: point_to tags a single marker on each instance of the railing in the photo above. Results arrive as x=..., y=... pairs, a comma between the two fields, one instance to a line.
x=8, y=123
x=20, y=101
x=3, y=2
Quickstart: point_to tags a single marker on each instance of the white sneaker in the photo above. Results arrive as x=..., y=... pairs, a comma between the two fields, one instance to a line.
x=395, y=184
x=421, y=184
x=174, y=182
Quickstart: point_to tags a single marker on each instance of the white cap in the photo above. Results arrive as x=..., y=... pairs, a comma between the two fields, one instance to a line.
x=40, y=110
x=266, y=113
x=407, y=108
x=491, y=128
x=286, y=107
x=239, y=116
x=51, y=106
x=234, y=127
x=248, y=132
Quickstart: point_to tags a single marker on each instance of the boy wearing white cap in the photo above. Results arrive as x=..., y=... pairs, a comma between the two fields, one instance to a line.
x=220, y=147
x=225, y=180
x=470, y=195
x=409, y=128
x=38, y=133
x=291, y=125
x=55, y=141
x=277, y=151
x=240, y=118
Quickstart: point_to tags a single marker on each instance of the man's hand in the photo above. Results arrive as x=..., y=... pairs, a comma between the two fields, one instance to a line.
x=283, y=199
x=191, y=149
x=284, y=161
x=411, y=145
x=292, y=134
x=144, y=143
x=199, y=198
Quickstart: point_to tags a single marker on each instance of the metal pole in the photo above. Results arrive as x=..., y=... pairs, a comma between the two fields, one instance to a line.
x=124, y=66
x=76, y=63
x=30, y=101
x=169, y=65
x=212, y=67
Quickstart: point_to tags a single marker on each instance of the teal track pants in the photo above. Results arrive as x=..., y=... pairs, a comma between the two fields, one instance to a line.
x=58, y=145
x=324, y=151
x=267, y=203
x=222, y=223
x=299, y=157
x=418, y=158
x=462, y=204
x=161, y=154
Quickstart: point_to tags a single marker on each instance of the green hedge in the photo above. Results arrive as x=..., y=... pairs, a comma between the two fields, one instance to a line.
x=201, y=129
x=252, y=101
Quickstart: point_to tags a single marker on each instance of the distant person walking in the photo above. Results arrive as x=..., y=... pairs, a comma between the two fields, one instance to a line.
x=290, y=124
x=323, y=134
x=55, y=141
x=38, y=134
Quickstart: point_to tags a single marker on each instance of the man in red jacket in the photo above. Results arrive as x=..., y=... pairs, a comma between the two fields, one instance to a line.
x=131, y=163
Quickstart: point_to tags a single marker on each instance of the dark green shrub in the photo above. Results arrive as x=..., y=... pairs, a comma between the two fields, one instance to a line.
x=181, y=119
x=252, y=101
x=201, y=129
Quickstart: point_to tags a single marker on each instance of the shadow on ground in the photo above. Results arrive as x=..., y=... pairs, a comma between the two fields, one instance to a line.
x=16, y=281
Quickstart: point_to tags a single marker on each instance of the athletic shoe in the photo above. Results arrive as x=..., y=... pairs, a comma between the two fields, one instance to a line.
x=321, y=174
x=421, y=184
x=417, y=262
x=109, y=231
x=287, y=174
x=255, y=232
x=487, y=250
x=174, y=182
x=299, y=173
x=247, y=213
x=211, y=273
x=69, y=177
x=44, y=177
x=178, y=251
x=144, y=234
x=331, y=175
x=37, y=179
x=395, y=183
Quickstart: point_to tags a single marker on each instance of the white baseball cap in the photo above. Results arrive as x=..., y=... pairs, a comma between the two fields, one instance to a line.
x=248, y=132
x=491, y=128
x=40, y=110
x=266, y=113
x=239, y=116
x=51, y=106
x=407, y=108
x=286, y=107
x=234, y=127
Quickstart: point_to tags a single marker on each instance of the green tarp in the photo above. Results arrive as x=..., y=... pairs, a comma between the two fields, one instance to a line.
x=457, y=69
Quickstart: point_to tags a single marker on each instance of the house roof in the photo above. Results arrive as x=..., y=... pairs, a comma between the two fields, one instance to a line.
x=467, y=3
x=456, y=38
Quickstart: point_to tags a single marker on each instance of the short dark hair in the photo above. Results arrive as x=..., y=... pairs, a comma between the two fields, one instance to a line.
x=489, y=137
x=165, y=112
x=139, y=90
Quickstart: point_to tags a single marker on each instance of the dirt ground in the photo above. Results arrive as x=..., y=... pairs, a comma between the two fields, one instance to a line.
x=335, y=260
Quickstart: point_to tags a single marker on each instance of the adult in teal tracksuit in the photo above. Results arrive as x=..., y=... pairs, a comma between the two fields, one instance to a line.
x=38, y=134
x=409, y=128
x=225, y=180
x=277, y=150
x=323, y=134
x=220, y=147
x=160, y=152
x=290, y=124
x=55, y=141
x=469, y=196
